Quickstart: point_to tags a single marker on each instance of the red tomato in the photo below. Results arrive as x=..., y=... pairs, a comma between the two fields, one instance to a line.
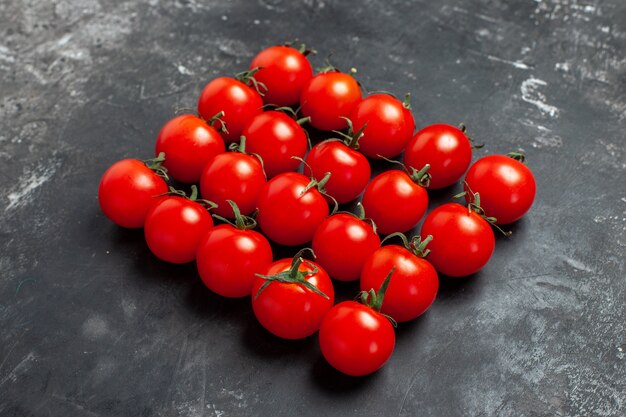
x=235, y=176
x=342, y=244
x=328, y=97
x=462, y=240
x=189, y=143
x=174, y=227
x=276, y=137
x=447, y=150
x=414, y=285
x=127, y=191
x=239, y=102
x=506, y=187
x=291, y=298
x=289, y=214
x=284, y=71
x=389, y=126
x=395, y=201
x=350, y=170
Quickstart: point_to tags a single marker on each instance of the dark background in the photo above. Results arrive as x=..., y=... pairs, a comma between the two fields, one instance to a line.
x=91, y=324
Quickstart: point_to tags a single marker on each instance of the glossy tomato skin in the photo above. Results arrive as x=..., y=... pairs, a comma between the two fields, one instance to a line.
x=127, y=190
x=174, y=227
x=286, y=216
x=389, y=125
x=276, y=137
x=284, y=71
x=189, y=143
x=413, y=287
x=342, y=244
x=328, y=97
x=228, y=258
x=506, y=186
x=462, y=241
x=232, y=176
x=446, y=148
x=350, y=170
x=239, y=102
x=395, y=202
x=355, y=339
x=290, y=310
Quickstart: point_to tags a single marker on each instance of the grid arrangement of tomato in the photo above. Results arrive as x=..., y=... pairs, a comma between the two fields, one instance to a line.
x=241, y=153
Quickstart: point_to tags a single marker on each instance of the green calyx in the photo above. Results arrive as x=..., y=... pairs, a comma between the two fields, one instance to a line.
x=247, y=77
x=192, y=197
x=374, y=300
x=302, y=48
x=416, y=245
x=519, y=156
x=474, y=205
x=156, y=165
x=241, y=148
x=293, y=275
x=406, y=103
x=350, y=138
x=218, y=118
x=421, y=177
x=463, y=129
x=241, y=222
x=319, y=185
x=360, y=214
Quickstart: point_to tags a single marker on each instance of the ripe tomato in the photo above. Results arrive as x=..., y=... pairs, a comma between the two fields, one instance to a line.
x=396, y=201
x=289, y=213
x=276, y=137
x=235, y=176
x=446, y=148
x=292, y=297
x=189, y=143
x=284, y=71
x=239, y=102
x=229, y=256
x=350, y=170
x=462, y=240
x=506, y=187
x=342, y=243
x=415, y=282
x=127, y=190
x=388, y=125
x=328, y=97
x=174, y=227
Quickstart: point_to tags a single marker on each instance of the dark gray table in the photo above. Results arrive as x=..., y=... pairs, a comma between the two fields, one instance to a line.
x=91, y=324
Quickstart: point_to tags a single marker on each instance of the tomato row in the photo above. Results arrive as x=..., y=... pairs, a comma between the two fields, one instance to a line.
x=242, y=153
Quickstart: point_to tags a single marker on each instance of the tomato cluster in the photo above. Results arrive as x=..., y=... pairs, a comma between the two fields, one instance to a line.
x=241, y=154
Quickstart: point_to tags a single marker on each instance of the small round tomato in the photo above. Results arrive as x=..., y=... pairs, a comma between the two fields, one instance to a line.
x=446, y=148
x=291, y=298
x=462, y=240
x=174, y=227
x=127, y=190
x=235, y=176
x=189, y=143
x=229, y=256
x=350, y=170
x=396, y=201
x=276, y=138
x=415, y=282
x=328, y=97
x=289, y=213
x=284, y=71
x=342, y=244
x=388, y=125
x=239, y=102
x=506, y=187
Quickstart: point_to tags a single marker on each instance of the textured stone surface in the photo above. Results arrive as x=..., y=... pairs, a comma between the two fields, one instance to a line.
x=92, y=325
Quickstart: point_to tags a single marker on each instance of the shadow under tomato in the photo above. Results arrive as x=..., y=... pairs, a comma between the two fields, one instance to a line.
x=333, y=382
x=411, y=328
x=453, y=287
x=260, y=342
x=207, y=304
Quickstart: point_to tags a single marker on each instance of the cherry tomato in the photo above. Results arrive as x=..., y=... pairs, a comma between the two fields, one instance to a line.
x=284, y=71
x=462, y=240
x=395, y=201
x=414, y=285
x=189, y=143
x=389, y=126
x=276, y=137
x=294, y=306
x=506, y=187
x=350, y=170
x=447, y=150
x=174, y=227
x=289, y=214
x=328, y=97
x=239, y=102
x=127, y=191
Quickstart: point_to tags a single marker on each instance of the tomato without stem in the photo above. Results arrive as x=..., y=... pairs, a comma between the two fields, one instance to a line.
x=445, y=148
